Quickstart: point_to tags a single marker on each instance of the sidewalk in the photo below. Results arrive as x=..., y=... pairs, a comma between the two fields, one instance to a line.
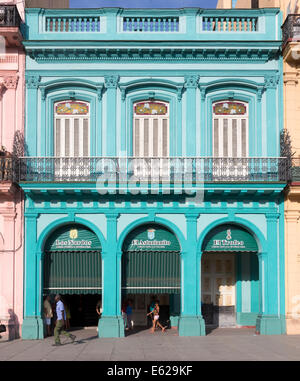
x=222, y=345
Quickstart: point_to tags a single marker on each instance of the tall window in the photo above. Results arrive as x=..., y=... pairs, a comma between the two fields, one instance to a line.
x=71, y=129
x=230, y=129
x=151, y=129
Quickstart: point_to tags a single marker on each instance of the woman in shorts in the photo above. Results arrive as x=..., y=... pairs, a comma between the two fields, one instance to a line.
x=155, y=316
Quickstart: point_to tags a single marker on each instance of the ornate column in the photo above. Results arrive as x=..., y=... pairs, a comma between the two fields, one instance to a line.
x=191, y=84
x=111, y=323
x=269, y=320
x=191, y=322
x=32, y=84
x=32, y=327
x=9, y=103
x=111, y=84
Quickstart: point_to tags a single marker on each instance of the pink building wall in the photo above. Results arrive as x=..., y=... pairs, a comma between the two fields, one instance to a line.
x=12, y=69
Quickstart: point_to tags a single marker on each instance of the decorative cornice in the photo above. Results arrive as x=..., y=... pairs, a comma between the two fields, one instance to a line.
x=11, y=82
x=32, y=81
x=153, y=54
x=111, y=81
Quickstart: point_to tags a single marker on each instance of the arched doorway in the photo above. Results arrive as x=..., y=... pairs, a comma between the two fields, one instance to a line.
x=72, y=268
x=151, y=271
x=230, y=293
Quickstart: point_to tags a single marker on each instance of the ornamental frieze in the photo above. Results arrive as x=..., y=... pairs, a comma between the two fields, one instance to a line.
x=155, y=55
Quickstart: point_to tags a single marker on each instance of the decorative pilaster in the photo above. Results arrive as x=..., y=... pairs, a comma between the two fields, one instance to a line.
x=271, y=84
x=191, y=322
x=111, y=323
x=32, y=327
x=191, y=84
x=269, y=320
x=32, y=84
x=111, y=84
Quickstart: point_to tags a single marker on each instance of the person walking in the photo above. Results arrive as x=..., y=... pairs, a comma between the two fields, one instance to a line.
x=129, y=315
x=48, y=314
x=155, y=314
x=60, y=322
x=124, y=316
x=99, y=310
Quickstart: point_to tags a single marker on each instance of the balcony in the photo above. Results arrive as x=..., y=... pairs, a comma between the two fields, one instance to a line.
x=111, y=174
x=10, y=22
x=291, y=29
x=9, y=16
x=116, y=24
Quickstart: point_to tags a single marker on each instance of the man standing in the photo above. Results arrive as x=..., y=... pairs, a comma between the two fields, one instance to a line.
x=60, y=322
x=48, y=315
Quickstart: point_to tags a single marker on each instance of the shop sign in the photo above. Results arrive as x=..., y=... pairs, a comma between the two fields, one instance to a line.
x=151, y=238
x=73, y=238
x=230, y=238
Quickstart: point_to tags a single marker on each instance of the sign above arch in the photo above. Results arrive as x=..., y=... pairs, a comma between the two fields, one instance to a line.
x=231, y=238
x=151, y=237
x=73, y=237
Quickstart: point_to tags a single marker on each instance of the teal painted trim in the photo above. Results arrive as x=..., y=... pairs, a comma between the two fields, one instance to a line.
x=111, y=327
x=191, y=326
x=254, y=266
x=238, y=264
x=31, y=120
x=32, y=328
x=271, y=324
x=246, y=318
x=111, y=121
x=273, y=148
x=282, y=273
x=190, y=122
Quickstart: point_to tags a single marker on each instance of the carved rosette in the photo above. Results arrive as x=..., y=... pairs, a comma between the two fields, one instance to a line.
x=111, y=81
x=11, y=82
x=32, y=81
x=191, y=81
x=271, y=81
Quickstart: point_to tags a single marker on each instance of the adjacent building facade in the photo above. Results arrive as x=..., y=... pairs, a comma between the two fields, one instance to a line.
x=12, y=77
x=153, y=166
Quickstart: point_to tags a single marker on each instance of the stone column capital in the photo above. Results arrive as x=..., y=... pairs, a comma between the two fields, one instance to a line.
x=11, y=82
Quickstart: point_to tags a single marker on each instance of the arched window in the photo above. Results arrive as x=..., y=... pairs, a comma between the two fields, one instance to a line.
x=230, y=129
x=151, y=129
x=71, y=129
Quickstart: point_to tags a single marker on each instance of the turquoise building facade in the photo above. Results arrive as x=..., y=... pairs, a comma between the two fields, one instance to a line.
x=153, y=140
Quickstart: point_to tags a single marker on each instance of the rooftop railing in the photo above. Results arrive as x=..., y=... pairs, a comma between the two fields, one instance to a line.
x=126, y=172
x=156, y=24
x=9, y=16
x=291, y=29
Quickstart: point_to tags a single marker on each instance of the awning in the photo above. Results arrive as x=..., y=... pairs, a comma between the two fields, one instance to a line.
x=229, y=238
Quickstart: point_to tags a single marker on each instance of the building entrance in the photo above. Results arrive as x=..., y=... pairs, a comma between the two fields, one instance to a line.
x=230, y=277
x=72, y=268
x=151, y=271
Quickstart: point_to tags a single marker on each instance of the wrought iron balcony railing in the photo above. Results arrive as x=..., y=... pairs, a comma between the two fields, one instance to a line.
x=125, y=172
x=6, y=169
x=291, y=29
x=9, y=16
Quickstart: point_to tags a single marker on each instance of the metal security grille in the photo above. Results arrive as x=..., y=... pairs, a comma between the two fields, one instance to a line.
x=72, y=272
x=145, y=272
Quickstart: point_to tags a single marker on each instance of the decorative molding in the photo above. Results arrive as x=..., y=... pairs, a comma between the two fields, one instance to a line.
x=11, y=82
x=191, y=81
x=32, y=81
x=271, y=81
x=111, y=81
x=209, y=54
